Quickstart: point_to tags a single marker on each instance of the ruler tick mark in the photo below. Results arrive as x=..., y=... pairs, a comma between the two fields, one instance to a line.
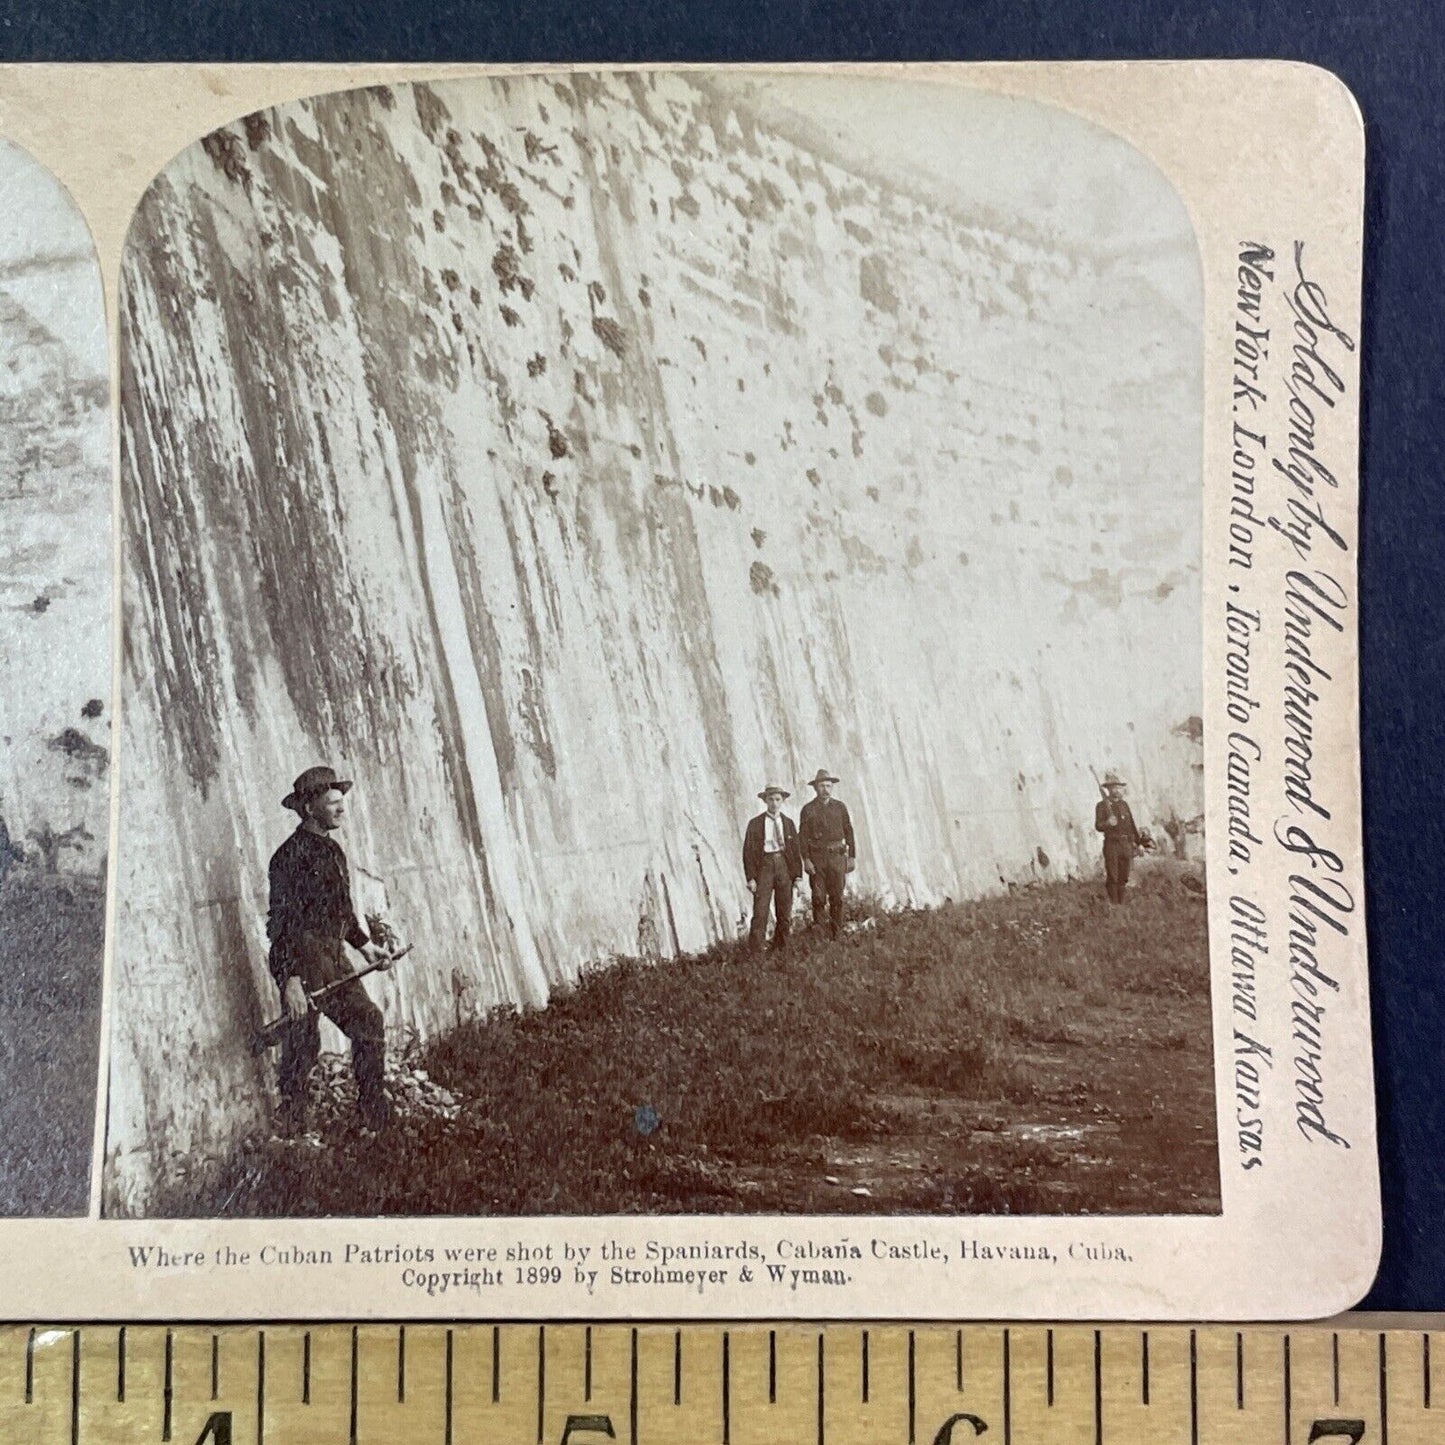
x=1008, y=1431
x=912, y=1388
x=587, y=1366
x=1098, y=1388
x=401, y=1364
x=958, y=1362
x=1425, y=1342
x=355, y=1346
x=1335, y=1360
x=541, y=1382
x=1238, y=1370
x=632, y=1395
x=305, y=1368
x=260, y=1387
x=168, y=1388
x=1144, y=1367
x=1384, y=1396
x=726, y=1390
x=677, y=1367
x=1049, y=1365
x=496, y=1364
x=1193, y=1388
x=30, y=1367
x=216, y=1366
x=447, y=1435
x=120, y=1365
x=75, y=1388
x=772, y=1367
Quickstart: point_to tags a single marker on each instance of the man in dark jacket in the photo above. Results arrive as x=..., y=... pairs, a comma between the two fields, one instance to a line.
x=772, y=864
x=1122, y=838
x=311, y=921
x=830, y=851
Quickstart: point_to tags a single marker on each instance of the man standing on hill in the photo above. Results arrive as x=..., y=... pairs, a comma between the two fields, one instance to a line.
x=311, y=921
x=830, y=851
x=772, y=865
x=1113, y=818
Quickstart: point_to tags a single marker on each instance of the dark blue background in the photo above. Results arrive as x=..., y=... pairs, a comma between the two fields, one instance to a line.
x=1389, y=55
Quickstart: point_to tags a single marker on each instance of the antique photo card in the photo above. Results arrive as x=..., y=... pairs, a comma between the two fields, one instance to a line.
x=736, y=685
x=55, y=632
x=572, y=460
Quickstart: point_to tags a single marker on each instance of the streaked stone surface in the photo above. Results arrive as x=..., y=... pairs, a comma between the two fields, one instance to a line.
x=564, y=459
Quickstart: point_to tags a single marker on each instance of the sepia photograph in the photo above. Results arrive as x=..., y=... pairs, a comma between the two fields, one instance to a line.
x=55, y=686
x=661, y=660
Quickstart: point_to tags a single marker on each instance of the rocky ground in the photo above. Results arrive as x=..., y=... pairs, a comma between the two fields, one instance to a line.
x=1039, y=1052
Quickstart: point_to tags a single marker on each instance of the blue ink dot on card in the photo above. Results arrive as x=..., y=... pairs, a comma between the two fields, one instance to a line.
x=646, y=1120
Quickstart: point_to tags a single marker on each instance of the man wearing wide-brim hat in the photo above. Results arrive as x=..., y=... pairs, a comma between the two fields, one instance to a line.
x=772, y=864
x=312, y=919
x=1114, y=819
x=830, y=850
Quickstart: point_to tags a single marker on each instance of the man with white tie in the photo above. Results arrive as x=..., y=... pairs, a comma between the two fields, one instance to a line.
x=772, y=864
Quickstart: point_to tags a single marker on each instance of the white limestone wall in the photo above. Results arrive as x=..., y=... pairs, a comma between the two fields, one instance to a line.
x=566, y=458
x=55, y=527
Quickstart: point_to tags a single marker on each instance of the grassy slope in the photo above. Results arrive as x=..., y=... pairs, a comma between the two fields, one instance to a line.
x=1038, y=1052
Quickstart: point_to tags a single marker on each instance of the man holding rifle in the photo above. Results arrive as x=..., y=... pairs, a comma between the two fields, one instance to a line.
x=1122, y=838
x=311, y=921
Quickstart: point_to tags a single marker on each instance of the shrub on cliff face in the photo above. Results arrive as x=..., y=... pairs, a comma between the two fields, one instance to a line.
x=413, y=1096
x=50, y=845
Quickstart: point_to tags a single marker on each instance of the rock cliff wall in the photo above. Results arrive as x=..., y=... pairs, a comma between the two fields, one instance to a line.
x=56, y=623
x=56, y=595
x=565, y=459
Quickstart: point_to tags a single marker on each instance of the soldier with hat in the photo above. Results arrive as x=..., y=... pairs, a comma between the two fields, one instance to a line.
x=830, y=851
x=1122, y=839
x=772, y=864
x=311, y=920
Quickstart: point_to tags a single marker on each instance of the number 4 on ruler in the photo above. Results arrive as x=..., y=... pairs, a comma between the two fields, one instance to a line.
x=216, y=1430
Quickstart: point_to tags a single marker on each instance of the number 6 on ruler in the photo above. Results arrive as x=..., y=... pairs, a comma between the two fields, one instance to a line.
x=1352, y=1430
x=945, y=1434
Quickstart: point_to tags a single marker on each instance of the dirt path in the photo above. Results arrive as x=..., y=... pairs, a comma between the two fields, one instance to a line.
x=1113, y=1113
x=1113, y=1125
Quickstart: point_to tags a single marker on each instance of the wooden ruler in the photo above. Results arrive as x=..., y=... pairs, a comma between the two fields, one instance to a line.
x=1358, y=1381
